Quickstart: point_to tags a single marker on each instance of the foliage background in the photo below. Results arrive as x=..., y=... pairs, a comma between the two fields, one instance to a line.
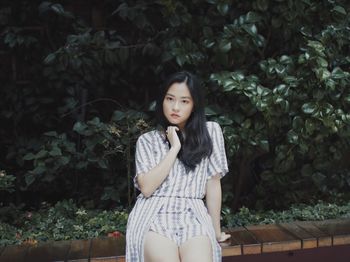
x=79, y=80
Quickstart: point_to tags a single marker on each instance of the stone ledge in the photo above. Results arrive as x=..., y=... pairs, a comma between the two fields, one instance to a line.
x=249, y=240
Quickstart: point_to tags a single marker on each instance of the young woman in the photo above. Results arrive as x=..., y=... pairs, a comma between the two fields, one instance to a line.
x=177, y=166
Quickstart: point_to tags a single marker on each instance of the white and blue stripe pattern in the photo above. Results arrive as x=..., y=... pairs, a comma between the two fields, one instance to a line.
x=180, y=191
x=178, y=225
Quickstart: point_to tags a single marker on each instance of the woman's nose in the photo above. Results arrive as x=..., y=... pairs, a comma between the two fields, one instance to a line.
x=176, y=106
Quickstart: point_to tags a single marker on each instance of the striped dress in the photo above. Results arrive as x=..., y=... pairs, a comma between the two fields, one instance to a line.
x=190, y=188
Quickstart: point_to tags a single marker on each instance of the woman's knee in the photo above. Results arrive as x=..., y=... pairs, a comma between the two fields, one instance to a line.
x=160, y=248
x=196, y=249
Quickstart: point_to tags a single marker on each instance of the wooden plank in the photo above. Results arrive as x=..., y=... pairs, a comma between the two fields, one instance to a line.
x=49, y=251
x=307, y=240
x=231, y=247
x=249, y=244
x=274, y=239
x=107, y=247
x=323, y=239
x=339, y=229
x=79, y=251
x=105, y=259
x=14, y=253
x=1, y=249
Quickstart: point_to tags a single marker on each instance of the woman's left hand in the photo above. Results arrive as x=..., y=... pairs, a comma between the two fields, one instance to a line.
x=223, y=237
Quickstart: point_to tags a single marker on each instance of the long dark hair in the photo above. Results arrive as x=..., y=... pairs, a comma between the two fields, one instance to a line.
x=197, y=143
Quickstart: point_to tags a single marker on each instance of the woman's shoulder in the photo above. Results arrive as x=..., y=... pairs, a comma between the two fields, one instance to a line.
x=212, y=125
x=148, y=136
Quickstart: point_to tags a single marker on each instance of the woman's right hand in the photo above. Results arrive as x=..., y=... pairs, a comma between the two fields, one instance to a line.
x=173, y=137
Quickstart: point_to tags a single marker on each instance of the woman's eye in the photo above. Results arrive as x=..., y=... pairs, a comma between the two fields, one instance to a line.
x=185, y=101
x=169, y=98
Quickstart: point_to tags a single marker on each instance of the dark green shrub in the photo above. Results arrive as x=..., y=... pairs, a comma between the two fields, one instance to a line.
x=276, y=74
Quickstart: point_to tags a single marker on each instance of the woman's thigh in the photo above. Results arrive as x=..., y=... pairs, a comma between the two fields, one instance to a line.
x=159, y=248
x=196, y=249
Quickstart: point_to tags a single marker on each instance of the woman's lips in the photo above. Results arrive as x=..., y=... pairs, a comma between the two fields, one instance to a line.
x=174, y=115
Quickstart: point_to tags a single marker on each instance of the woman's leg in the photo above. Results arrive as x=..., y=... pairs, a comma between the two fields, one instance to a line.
x=196, y=249
x=159, y=248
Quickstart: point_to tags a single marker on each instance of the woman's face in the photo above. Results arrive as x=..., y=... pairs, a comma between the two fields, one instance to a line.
x=178, y=104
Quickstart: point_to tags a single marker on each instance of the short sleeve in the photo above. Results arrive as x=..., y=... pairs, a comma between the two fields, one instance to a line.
x=217, y=163
x=144, y=160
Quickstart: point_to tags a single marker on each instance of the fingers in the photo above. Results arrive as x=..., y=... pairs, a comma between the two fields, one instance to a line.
x=172, y=127
x=224, y=237
x=172, y=136
x=171, y=130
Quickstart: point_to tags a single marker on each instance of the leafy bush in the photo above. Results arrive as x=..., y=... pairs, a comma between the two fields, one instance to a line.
x=61, y=222
x=298, y=212
x=61, y=161
x=66, y=220
x=276, y=73
x=6, y=182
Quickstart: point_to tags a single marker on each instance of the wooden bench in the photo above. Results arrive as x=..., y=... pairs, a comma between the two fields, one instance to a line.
x=298, y=241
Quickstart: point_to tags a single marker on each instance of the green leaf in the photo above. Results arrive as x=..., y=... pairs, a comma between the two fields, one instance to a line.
x=292, y=137
x=29, y=179
x=44, y=7
x=118, y=116
x=338, y=73
x=58, y=8
x=239, y=76
x=38, y=170
x=180, y=60
x=95, y=121
x=103, y=164
x=280, y=69
x=253, y=17
x=309, y=108
x=212, y=110
x=225, y=45
x=49, y=58
x=340, y=9
x=229, y=85
x=51, y=133
x=250, y=29
x=310, y=126
x=79, y=127
x=322, y=73
x=306, y=31
x=223, y=120
x=208, y=43
x=297, y=122
x=82, y=165
x=42, y=153
x=29, y=156
x=55, y=152
x=223, y=8
x=322, y=62
x=347, y=98
x=264, y=144
x=262, y=91
x=64, y=160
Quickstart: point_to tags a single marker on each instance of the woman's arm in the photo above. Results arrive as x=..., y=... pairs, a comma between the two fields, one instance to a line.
x=150, y=181
x=213, y=200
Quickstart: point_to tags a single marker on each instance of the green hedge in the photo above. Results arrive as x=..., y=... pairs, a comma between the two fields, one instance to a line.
x=77, y=91
x=66, y=220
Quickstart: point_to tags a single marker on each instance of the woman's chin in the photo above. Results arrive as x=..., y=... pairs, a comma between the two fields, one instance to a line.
x=173, y=122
